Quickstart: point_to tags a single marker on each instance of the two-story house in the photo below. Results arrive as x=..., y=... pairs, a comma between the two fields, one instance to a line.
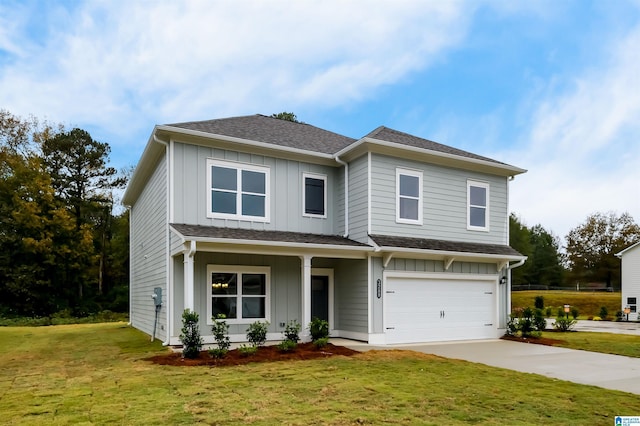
x=391, y=238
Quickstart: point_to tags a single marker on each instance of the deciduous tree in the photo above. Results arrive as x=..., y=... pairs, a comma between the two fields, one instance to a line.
x=591, y=247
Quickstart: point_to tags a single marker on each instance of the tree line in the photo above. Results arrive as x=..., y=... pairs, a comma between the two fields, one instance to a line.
x=587, y=257
x=62, y=248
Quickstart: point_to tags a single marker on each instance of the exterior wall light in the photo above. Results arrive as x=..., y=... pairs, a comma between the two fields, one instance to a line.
x=567, y=308
x=626, y=311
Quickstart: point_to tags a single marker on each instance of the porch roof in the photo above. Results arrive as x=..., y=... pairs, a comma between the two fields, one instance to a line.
x=236, y=235
x=444, y=245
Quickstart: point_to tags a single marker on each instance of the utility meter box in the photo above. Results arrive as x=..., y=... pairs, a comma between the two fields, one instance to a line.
x=157, y=296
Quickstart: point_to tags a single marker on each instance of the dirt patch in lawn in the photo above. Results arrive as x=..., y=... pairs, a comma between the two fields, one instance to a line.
x=265, y=354
x=536, y=340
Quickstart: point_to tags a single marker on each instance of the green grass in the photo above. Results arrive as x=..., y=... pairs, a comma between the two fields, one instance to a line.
x=587, y=303
x=607, y=343
x=95, y=374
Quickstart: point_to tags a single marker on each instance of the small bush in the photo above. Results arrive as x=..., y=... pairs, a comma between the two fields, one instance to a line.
x=563, y=324
x=190, y=336
x=220, y=331
x=575, y=313
x=620, y=316
x=218, y=353
x=539, y=302
x=257, y=333
x=548, y=311
x=596, y=319
x=604, y=312
x=321, y=342
x=319, y=329
x=292, y=331
x=247, y=350
x=287, y=345
x=560, y=312
x=528, y=323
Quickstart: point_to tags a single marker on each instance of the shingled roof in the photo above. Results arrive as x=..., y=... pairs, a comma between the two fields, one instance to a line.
x=443, y=245
x=389, y=135
x=271, y=130
x=236, y=234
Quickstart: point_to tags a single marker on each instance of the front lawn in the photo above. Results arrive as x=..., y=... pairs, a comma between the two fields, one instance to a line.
x=608, y=343
x=97, y=374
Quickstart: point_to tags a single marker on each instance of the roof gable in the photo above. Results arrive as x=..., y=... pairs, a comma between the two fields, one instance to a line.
x=390, y=135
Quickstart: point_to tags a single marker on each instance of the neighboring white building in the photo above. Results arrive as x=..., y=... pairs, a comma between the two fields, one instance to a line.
x=630, y=279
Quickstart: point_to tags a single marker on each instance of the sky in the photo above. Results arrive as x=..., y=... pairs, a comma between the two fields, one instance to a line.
x=549, y=86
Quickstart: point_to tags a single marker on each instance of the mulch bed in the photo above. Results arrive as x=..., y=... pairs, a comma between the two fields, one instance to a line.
x=535, y=340
x=265, y=354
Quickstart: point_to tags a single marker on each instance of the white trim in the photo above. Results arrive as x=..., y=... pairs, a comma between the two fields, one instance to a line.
x=487, y=215
x=316, y=176
x=369, y=225
x=239, y=167
x=410, y=173
x=240, y=269
x=369, y=294
x=327, y=272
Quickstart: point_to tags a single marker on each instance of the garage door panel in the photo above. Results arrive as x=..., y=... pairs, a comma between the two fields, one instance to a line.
x=421, y=310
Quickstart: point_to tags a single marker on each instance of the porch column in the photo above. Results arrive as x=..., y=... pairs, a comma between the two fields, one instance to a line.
x=306, y=295
x=189, y=302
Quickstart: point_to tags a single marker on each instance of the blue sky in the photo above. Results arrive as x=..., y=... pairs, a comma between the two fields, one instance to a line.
x=549, y=86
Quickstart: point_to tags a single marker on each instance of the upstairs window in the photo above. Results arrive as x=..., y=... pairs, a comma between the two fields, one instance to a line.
x=477, y=206
x=314, y=195
x=238, y=191
x=408, y=196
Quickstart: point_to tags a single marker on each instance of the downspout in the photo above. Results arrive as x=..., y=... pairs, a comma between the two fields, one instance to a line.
x=346, y=195
x=169, y=293
x=518, y=264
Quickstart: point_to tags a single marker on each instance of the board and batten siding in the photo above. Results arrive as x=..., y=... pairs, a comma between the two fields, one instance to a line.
x=148, y=252
x=350, y=294
x=358, y=200
x=630, y=278
x=444, y=202
x=191, y=186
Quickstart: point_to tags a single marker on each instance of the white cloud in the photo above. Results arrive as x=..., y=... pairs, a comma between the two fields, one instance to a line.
x=104, y=63
x=582, y=151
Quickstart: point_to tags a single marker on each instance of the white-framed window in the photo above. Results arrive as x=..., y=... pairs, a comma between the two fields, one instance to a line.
x=477, y=206
x=408, y=196
x=237, y=191
x=240, y=293
x=314, y=195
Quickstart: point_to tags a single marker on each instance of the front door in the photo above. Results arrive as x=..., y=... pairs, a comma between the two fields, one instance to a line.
x=320, y=297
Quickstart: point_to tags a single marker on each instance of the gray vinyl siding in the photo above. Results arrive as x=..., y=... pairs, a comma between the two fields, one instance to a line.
x=444, y=202
x=191, y=187
x=422, y=265
x=148, y=248
x=350, y=294
x=358, y=199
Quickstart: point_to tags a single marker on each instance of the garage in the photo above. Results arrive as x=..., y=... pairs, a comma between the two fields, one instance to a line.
x=421, y=309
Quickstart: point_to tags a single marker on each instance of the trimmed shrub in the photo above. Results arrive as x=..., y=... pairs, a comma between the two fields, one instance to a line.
x=319, y=329
x=321, y=342
x=220, y=331
x=257, y=333
x=604, y=312
x=563, y=324
x=247, y=350
x=190, y=336
x=292, y=331
x=539, y=302
x=575, y=313
x=287, y=345
x=548, y=311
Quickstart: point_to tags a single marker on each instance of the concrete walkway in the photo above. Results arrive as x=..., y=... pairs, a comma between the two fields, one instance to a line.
x=588, y=368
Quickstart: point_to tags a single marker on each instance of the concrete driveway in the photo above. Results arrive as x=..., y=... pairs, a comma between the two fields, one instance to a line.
x=588, y=368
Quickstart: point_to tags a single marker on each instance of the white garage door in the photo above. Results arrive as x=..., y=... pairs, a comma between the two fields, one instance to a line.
x=428, y=310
